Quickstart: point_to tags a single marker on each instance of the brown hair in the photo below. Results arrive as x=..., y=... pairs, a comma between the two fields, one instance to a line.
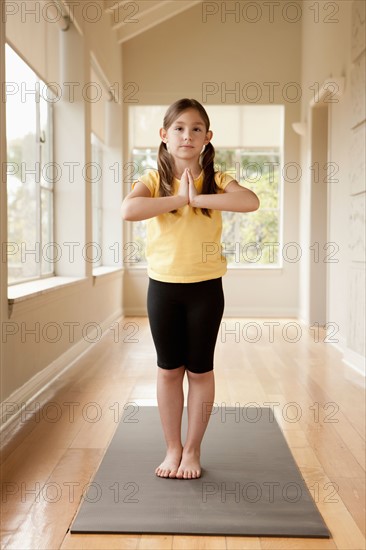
x=164, y=160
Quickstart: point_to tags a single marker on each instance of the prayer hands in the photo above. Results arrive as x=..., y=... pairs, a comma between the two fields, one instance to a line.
x=192, y=188
x=187, y=188
x=184, y=186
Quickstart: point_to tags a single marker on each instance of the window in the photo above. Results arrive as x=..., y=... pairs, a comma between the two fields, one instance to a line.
x=30, y=174
x=251, y=152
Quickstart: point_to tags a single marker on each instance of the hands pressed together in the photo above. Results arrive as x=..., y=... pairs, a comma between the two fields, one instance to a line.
x=187, y=188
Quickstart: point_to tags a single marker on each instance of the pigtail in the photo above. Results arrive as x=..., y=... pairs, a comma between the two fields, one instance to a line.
x=165, y=170
x=209, y=185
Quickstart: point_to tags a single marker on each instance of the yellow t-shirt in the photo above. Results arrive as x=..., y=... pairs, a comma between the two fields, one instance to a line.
x=184, y=247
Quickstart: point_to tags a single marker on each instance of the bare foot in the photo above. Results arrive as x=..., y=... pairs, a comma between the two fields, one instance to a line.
x=169, y=466
x=190, y=467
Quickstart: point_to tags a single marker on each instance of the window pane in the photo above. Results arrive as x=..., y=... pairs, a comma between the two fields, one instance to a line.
x=244, y=234
x=259, y=173
x=251, y=239
x=21, y=117
x=225, y=161
x=142, y=159
x=22, y=234
x=28, y=124
x=135, y=255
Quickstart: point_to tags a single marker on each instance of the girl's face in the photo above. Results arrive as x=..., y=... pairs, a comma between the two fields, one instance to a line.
x=187, y=135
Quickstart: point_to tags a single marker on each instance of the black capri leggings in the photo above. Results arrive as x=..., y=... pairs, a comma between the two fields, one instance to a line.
x=184, y=321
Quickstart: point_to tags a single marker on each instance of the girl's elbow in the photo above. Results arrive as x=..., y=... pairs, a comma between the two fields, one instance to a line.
x=252, y=204
x=257, y=203
x=126, y=212
x=130, y=213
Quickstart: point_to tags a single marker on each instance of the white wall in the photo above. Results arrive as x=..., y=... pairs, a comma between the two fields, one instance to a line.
x=327, y=54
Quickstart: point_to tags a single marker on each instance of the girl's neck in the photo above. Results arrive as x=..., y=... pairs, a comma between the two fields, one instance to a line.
x=196, y=170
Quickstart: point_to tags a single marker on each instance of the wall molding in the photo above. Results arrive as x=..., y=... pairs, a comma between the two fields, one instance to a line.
x=354, y=361
x=24, y=396
x=351, y=359
x=239, y=312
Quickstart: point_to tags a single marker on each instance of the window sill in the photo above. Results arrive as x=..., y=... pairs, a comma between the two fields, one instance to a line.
x=104, y=270
x=24, y=291
x=254, y=267
x=104, y=273
x=232, y=268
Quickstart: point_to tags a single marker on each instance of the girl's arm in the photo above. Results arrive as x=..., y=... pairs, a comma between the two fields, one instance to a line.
x=234, y=199
x=139, y=205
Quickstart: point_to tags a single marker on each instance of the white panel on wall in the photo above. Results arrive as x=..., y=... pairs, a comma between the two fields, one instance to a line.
x=356, y=310
x=145, y=122
x=225, y=124
x=358, y=27
x=261, y=125
x=358, y=86
x=357, y=228
x=357, y=158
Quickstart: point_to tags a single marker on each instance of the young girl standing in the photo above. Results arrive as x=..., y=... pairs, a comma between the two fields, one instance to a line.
x=182, y=201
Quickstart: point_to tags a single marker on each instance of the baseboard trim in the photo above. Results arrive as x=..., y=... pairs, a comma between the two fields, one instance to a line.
x=355, y=361
x=232, y=312
x=350, y=358
x=23, y=397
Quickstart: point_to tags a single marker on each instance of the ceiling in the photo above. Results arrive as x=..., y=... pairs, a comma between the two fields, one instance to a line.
x=130, y=18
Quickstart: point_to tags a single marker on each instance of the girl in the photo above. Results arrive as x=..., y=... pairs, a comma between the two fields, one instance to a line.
x=182, y=201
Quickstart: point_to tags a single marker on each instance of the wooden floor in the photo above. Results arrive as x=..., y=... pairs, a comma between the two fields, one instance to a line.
x=56, y=451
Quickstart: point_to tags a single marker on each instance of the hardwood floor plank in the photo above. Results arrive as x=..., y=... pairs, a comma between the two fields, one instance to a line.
x=352, y=493
x=275, y=543
x=99, y=542
x=243, y=543
x=152, y=542
x=198, y=543
x=46, y=522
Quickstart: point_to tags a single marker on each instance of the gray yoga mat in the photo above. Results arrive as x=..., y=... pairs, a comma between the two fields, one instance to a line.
x=250, y=484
